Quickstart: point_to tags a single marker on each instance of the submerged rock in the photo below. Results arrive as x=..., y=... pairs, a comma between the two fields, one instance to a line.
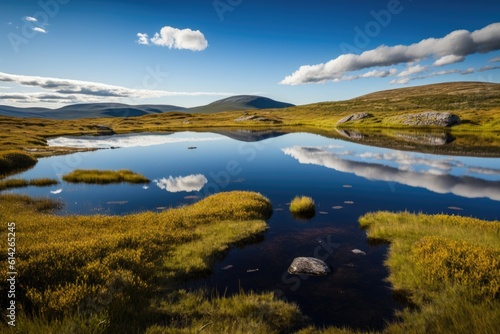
x=309, y=266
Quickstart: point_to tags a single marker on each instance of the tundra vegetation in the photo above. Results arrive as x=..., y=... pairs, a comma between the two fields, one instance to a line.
x=122, y=274
x=447, y=267
x=105, y=274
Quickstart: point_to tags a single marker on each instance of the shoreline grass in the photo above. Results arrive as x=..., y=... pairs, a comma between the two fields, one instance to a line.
x=107, y=268
x=94, y=176
x=20, y=183
x=12, y=161
x=448, y=266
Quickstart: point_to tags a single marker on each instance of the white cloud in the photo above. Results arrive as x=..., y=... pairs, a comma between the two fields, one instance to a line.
x=401, y=81
x=494, y=60
x=173, y=38
x=412, y=70
x=82, y=91
x=143, y=39
x=190, y=183
x=449, y=59
x=38, y=29
x=488, y=68
x=439, y=73
x=378, y=74
x=459, y=43
x=467, y=71
x=30, y=19
x=121, y=141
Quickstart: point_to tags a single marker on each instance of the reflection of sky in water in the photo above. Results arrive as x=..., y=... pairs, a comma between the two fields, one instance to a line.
x=264, y=167
x=129, y=140
x=177, y=184
x=405, y=168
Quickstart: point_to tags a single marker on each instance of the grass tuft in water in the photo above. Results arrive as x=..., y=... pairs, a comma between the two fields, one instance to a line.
x=20, y=183
x=94, y=176
x=303, y=207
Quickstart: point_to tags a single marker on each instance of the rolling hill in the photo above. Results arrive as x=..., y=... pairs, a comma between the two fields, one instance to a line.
x=240, y=102
x=97, y=110
x=89, y=110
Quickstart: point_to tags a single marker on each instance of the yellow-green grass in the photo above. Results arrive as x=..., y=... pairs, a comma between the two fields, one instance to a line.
x=76, y=268
x=15, y=160
x=94, y=176
x=302, y=206
x=447, y=266
x=19, y=183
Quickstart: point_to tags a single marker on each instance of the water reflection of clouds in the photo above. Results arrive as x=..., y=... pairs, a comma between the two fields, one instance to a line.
x=190, y=183
x=128, y=140
x=406, y=160
x=435, y=179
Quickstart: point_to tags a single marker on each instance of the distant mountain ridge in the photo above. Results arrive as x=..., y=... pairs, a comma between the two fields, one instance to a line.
x=96, y=110
x=447, y=96
x=240, y=102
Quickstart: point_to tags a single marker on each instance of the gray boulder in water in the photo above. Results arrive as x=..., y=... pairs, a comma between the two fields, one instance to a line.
x=308, y=266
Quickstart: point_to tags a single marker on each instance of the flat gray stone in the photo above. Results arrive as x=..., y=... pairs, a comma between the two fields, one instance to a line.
x=354, y=117
x=309, y=266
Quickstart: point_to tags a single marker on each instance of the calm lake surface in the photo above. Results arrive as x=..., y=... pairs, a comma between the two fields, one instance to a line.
x=345, y=179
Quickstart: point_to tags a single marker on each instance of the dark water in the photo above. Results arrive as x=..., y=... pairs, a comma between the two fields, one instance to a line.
x=336, y=173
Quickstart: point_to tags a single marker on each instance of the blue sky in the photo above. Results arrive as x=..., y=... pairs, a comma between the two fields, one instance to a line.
x=58, y=52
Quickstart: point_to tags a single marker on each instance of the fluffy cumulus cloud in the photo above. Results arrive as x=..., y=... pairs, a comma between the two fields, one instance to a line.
x=449, y=49
x=173, y=38
x=73, y=91
x=143, y=39
x=30, y=19
x=190, y=183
